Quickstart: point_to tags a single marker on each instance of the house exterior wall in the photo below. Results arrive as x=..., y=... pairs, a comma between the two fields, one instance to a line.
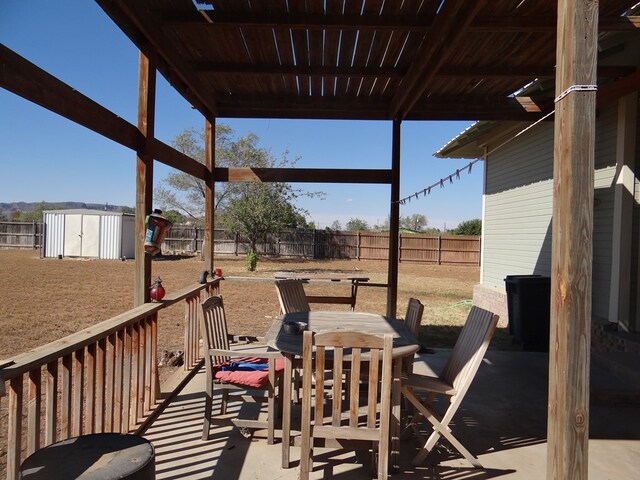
x=518, y=207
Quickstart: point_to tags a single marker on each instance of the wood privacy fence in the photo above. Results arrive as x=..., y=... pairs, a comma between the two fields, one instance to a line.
x=21, y=235
x=322, y=244
x=101, y=379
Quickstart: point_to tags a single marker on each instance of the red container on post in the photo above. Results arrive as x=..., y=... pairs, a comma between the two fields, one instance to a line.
x=157, y=228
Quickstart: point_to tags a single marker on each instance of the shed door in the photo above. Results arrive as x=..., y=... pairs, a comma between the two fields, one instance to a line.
x=72, y=235
x=90, y=236
x=81, y=235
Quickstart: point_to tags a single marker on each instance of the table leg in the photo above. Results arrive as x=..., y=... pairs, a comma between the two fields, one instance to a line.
x=396, y=399
x=286, y=409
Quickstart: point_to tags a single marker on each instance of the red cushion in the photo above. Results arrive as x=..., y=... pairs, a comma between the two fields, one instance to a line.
x=246, y=378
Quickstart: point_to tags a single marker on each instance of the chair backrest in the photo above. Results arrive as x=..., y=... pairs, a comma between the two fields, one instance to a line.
x=413, y=316
x=469, y=350
x=214, y=327
x=291, y=296
x=337, y=353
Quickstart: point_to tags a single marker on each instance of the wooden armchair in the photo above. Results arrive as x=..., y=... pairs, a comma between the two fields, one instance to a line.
x=452, y=383
x=237, y=366
x=341, y=417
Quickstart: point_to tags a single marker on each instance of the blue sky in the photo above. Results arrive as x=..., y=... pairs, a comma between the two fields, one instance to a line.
x=46, y=157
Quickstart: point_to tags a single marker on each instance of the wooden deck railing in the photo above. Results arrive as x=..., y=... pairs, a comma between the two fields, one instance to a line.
x=101, y=379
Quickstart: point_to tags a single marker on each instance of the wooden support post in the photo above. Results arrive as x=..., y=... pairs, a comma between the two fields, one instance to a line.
x=572, y=240
x=209, y=193
x=144, y=176
x=394, y=222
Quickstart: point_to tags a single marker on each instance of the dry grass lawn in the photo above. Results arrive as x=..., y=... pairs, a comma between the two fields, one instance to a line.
x=45, y=299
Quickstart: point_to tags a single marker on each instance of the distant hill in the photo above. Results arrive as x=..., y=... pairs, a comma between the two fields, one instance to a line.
x=8, y=208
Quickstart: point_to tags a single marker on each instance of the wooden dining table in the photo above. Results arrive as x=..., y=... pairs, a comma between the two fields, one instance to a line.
x=290, y=344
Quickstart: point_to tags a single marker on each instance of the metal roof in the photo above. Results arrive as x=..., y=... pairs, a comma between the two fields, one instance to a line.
x=364, y=59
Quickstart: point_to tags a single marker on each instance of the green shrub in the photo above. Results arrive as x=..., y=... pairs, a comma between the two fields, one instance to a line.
x=252, y=261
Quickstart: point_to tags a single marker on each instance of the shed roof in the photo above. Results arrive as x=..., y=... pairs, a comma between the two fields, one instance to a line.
x=365, y=59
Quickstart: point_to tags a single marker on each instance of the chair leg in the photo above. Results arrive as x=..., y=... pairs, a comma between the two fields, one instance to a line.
x=439, y=429
x=208, y=406
x=224, y=400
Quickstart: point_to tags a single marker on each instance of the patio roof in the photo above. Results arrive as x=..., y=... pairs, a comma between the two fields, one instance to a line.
x=371, y=59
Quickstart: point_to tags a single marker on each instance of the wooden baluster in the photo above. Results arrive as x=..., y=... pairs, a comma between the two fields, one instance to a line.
x=65, y=407
x=187, y=312
x=135, y=375
x=109, y=376
x=90, y=389
x=155, y=379
x=78, y=392
x=51, y=408
x=142, y=370
x=117, y=381
x=100, y=385
x=126, y=381
x=35, y=401
x=14, y=440
x=148, y=360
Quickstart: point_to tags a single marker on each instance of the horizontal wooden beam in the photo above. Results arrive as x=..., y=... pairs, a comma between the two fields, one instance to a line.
x=29, y=81
x=302, y=175
x=178, y=160
x=616, y=90
x=529, y=23
x=467, y=71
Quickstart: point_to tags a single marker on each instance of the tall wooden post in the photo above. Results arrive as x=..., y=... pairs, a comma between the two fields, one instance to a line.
x=394, y=222
x=209, y=192
x=572, y=238
x=144, y=176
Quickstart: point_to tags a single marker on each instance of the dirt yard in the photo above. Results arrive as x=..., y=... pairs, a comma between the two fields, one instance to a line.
x=45, y=299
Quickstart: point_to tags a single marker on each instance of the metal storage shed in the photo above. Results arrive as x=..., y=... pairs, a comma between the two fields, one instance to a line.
x=89, y=234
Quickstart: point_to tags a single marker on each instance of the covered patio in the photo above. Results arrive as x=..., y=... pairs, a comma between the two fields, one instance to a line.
x=503, y=421
x=369, y=60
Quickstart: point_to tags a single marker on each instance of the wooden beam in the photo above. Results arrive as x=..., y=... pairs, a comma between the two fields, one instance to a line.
x=394, y=222
x=209, y=192
x=29, y=81
x=302, y=175
x=401, y=23
x=572, y=242
x=144, y=177
x=296, y=70
x=178, y=160
x=441, y=42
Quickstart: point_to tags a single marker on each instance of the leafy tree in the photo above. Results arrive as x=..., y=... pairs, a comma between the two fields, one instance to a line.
x=3, y=217
x=181, y=192
x=336, y=226
x=15, y=215
x=357, y=224
x=468, y=227
x=174, y=216
x=35, y=214
x=260, y=209
x=415, y=222
x=126, y=209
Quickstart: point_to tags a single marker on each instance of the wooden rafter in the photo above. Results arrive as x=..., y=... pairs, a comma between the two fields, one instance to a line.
x=398, y=23
x=441, y=42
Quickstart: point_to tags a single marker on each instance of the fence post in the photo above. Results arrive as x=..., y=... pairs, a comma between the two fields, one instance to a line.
x=399, y=247
x=235, y=245
x=33, y=229
x=358, y=245
x=439, y=253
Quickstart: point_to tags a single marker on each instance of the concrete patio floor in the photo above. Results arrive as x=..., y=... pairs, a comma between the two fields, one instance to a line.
x=502, y=420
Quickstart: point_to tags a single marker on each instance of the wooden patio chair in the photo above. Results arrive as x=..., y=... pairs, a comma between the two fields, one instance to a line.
x=240, y=367
x=412, y=320
x=351, y=413
x=291, y=296
x=452, y=383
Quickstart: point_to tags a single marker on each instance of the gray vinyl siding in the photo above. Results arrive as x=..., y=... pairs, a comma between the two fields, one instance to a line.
x=519, y=207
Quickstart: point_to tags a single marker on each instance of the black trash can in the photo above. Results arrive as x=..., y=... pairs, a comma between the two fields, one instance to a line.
x=529, y=305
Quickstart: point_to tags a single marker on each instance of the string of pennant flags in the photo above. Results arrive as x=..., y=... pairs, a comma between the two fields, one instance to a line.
x=440, y=183
x=456, y=175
